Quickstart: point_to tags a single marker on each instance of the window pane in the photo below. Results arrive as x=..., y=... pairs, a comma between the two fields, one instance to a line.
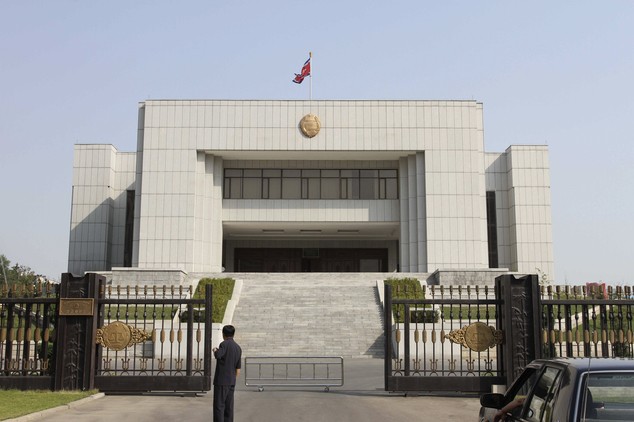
x=353, y=189
x=275, y=188
x=227, y=189
x=387, y=173
x=236, y=188
x=252, y=188
x=313, y=188
x=330, y=173
x=369, y=173
x=543, y=393
x=233, y=173
x=291, y=173
x=369, y=188
x=349, y=173
x=272, y=173
x=609, y=396
x=252, y=173
x=391, y=189
x=310, y=173
x=291, y=188
x=330, y=188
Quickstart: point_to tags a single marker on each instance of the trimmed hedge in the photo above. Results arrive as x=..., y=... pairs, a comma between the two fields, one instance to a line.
x=222, y=292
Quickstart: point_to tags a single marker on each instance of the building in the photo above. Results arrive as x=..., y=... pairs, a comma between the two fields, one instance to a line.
x=311, y=186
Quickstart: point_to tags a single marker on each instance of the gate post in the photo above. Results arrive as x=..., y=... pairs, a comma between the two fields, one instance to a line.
x=519, y=317
x=76, y=332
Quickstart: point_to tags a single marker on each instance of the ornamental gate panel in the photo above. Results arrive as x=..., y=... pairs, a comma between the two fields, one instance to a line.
x=83, y=334
x=460, y=338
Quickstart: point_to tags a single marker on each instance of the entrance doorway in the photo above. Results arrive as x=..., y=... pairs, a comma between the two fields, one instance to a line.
x=327, y=260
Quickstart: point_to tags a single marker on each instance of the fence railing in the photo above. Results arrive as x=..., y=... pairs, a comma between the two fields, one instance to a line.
x=306, y=371
x=27, y=318
x=587, y=321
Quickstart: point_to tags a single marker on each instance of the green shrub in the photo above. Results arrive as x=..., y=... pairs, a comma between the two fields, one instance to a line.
x=221, y=293
x=409, y=288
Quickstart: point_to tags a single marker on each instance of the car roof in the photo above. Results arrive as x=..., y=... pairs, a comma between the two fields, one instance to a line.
x=592, y=364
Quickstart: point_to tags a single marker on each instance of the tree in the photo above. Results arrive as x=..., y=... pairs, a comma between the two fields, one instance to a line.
x=16, y=274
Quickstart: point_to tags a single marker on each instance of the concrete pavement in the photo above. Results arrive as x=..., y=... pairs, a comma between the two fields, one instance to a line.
x=362, y=398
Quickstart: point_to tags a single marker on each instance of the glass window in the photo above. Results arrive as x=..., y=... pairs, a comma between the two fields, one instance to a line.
x=330, y=173
x=314, y=190
x=310, y=173
x=310, y=184
x=252, y=188
x=291, y=173
x=369, y=188
x=233, y=173
x=539, y=407
x=353, y=189
x=609, y=397
x=252, y=173
x=391, y=188
x=235, y=191
x=522, y=387
x=275, y=188
x=349, y=173
x=272, y=173
x=227, y=189
x=330, y=188
x=291, y=188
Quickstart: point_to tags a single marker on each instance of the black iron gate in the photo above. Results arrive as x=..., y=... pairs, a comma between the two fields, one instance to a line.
x=463, y=338
x=83, y=334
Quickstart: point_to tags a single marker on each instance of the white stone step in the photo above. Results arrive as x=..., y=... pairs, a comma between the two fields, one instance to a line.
x=311, y=315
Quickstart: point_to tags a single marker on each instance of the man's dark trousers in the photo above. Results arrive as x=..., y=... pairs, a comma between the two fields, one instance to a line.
x=223, y=402
x=228, y=360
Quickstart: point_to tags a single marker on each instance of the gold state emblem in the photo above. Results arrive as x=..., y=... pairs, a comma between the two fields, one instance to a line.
x=477, y=336
x=310, y=125
x=118, y=336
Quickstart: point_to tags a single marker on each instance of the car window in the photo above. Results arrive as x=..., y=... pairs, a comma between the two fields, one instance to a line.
x=539, y=407
x=609, y=396
x=521, y=388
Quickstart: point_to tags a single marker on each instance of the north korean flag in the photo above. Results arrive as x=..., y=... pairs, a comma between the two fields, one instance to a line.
x=299, y=77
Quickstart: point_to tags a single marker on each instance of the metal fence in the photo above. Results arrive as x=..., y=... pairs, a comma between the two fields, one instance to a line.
x=306, y=371
x=587, y=321
x=441, y=338
x=27, y=318
x=82, y=334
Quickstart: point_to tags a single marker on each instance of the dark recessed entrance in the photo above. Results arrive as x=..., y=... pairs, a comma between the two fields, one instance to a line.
x=295, y=260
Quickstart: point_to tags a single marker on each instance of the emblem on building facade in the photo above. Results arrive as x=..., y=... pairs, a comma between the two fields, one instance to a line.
x=310, y=125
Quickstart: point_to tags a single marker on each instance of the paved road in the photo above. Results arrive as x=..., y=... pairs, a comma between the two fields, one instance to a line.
x=362, y=398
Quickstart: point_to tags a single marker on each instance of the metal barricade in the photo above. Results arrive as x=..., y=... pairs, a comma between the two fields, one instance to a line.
x=305, y=371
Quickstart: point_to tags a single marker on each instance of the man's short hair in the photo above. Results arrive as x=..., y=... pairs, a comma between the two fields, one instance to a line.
x=228, y=330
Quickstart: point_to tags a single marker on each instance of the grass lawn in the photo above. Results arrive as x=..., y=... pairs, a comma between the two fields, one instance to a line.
x=14, y=403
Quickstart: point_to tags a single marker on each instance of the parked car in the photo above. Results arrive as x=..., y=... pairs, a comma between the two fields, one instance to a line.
x=566, y=390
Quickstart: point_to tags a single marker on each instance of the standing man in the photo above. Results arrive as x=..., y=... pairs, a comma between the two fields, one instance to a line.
x=228, y=363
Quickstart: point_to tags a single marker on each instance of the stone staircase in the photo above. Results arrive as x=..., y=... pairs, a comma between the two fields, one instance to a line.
x=309, y=314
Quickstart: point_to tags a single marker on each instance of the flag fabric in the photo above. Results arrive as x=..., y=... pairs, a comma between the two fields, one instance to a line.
x=299, y=77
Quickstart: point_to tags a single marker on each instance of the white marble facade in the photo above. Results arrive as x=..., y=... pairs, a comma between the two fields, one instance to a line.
x=183, y=217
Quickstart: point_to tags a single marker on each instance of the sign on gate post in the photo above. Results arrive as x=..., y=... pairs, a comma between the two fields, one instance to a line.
x=519, y=317
x=76, y=331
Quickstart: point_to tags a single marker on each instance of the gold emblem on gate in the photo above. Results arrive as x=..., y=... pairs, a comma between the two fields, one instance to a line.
x=119, y=335
x=477, y=336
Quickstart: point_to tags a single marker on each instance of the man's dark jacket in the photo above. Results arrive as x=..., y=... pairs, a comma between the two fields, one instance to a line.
x=228, y=358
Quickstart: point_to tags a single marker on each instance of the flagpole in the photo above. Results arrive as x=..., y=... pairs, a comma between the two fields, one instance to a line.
x=310, y=91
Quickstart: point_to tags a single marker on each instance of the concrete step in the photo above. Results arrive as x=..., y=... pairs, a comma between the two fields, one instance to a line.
x=309, y=316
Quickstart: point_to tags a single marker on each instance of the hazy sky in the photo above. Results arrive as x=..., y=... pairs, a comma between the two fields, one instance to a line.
x=548, y=72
